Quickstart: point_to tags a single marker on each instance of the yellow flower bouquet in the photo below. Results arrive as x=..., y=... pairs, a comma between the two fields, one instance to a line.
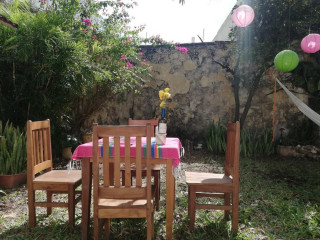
x=164, y=95
x=161, y=130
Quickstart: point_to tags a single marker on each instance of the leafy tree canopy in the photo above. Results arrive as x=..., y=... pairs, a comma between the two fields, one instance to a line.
x=278, y=25
x=64, y=58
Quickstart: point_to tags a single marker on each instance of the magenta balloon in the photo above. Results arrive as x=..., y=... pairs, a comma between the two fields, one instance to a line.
x=243, y=16
x=311, y=43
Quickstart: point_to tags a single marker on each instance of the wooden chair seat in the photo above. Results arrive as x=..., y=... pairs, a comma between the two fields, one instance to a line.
x=122, y=203
x=122, y=208
x=59, y=177
x=212, y=185
x=197, y=178
x=155, y=172
x=41, y=176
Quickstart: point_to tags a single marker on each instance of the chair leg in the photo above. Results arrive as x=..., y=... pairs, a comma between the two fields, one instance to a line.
x=235, y=211
x=149, y=226
x=152, y=221
x=174, y=195
x=156, y=175
x=95, y=227
x=192, y=207
x=71, y=207
x=226, y=202
x=189, y=201
x=32, y=209
x=107, y=228
x=49, y=200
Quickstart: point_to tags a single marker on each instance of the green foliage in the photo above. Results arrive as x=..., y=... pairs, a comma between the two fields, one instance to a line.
x=57, y=66
x=307, y=76
x=279, y=199
x=13, y=151
x=256, y=143
x=303, y=133
x=252, y=142
x=216, y=138
x=278, y=25
x=64, y=59
x=70, y=141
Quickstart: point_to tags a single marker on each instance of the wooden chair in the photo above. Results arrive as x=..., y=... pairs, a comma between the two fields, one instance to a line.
x=218, y=185
x=52, y=181
x=110, y=198
x=153, y=122
x=155, y=168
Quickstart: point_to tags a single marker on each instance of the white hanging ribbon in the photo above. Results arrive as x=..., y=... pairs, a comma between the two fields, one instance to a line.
x=315, y=117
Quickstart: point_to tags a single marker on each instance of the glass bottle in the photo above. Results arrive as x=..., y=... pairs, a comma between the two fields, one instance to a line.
x=163, y=122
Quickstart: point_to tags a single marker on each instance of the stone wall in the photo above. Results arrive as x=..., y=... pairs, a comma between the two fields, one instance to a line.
x=201, y=93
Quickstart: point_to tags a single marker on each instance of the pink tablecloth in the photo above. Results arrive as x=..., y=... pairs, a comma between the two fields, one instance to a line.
x=171, y=150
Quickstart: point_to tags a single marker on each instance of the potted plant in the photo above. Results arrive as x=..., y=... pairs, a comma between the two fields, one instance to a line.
x=69, y=143
x=86, y=135
x=13, y=156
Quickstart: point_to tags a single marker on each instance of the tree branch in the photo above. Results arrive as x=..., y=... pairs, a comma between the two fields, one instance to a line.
x=227, y=68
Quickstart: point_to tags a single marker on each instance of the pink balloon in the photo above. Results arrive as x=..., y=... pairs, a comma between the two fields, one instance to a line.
x=311, y=43
x=243, y=16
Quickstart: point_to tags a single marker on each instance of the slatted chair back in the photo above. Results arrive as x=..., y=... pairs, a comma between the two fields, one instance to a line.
x=153, y=122
x=112, y=163
x=39, y=145
x=232, y=151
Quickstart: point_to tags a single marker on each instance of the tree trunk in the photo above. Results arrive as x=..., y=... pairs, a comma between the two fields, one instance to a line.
x=248, y=103
x=236, y=98
x=252, y=92
x=236, y=83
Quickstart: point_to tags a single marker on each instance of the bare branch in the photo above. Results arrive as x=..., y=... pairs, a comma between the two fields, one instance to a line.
x=8, y=23
x=225, y=67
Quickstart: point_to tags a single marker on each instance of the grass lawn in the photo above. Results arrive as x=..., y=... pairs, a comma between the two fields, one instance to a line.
x=279, y=199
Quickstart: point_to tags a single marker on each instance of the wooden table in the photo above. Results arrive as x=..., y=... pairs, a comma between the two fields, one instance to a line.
x=167, y=155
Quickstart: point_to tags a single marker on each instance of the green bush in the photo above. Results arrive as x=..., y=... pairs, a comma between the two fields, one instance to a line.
x=256, y=143
x=57, y=66
x=252, y=142
x=216, y=138
x=303, y=133
x=13, y=151
x=65, y=59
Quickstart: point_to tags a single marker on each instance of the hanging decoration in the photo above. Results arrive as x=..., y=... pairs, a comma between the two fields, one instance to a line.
x=243, y=16
x=274, y=105
x=286, y=61
x=311, y=43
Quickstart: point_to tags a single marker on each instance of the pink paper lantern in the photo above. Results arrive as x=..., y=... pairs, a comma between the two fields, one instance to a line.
x=311, y=43
x=243, y=16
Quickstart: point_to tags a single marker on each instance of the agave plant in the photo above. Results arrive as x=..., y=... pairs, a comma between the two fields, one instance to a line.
x=13, y=152
x=216, y=138
x=253, y=142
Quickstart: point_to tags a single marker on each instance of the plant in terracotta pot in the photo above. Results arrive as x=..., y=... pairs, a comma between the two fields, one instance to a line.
x=69, y=143
x=86, y=135
x=13, y=156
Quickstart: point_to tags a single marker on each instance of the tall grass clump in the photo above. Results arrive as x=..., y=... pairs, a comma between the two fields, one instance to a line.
x=13, y=150
x=216, y=139
x=256, y=142
x=253, y=142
